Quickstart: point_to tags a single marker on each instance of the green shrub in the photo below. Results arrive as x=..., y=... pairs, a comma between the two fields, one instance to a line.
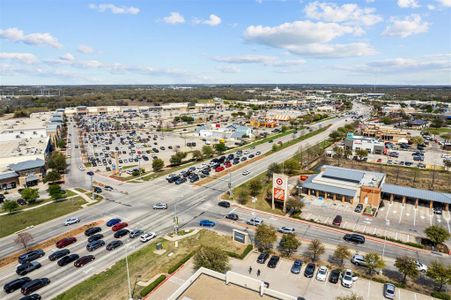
x=243, y=254
x=152, y=285
x=441, y=295
x=180, y=263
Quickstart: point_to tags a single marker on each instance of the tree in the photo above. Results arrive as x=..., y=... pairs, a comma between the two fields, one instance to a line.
x=295, y=204
x=243, y=197
x=212, y=258
x=273, y=168
x=55, y=191
x=347, y=152
x=437, y=234
x=361, y=153
x=30, y=195
x=407, y=266
x=265, y=236
x=291, y=166
x=284, y=128
x=341, y=253
x=52, y=176
x=289, y=244
x=57, y=161
x=447, y=163
x=373, y=262
x=157, y=164
x=177, y=158
x=316, y=249
x=255, y=186
x=220, y=148
x=335, y=135
x=353, y=296
x=207, y=151
x=197, y=155
x=440, y=273
x=23, y=239
x=417, y=140
x=10, y=206
x=437, y=123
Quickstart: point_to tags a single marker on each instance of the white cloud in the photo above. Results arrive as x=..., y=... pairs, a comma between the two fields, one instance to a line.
x=213, y=20
x=117, y=10
x=174, y=18
x=17, y=35
x=346, y=13
x=309, y=38
x=408, y=3
x=27, y=58
x=446, y=3
x=246, y=59
x=67, y=57
x=229, y=69
x=85, y=49
x=405, y=27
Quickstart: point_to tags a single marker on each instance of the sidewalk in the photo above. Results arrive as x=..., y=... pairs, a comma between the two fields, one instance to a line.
x=88, y=199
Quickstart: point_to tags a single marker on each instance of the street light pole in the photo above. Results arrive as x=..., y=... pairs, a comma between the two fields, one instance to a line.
x=128, y=274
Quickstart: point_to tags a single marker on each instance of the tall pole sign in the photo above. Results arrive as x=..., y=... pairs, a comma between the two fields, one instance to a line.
x=279, y=189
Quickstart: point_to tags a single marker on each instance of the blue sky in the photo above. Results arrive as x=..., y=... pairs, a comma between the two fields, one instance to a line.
x=228, y=41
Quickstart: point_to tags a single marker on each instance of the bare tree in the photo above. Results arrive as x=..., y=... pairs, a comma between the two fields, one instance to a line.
x=23, y=239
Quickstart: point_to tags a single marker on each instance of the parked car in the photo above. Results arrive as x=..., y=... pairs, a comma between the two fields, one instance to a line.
x=321, y=275
x=84, y=260
x=207, y=223
x=225, y=204
x=421, y=267
x=95, y=237
x=261, y=259
x=147, y=237
x=68, y=259
x=358, y=260
x=31, y=297
x=232, y=216
x=219, y=169
x=337, y=220
x=334, y=276
x=120, y=233
x=65, y=242
x=114, y=244
x=95, y=245
x=273, y=261
x=71, y=221
x=180, y=180
x=58, y=254
x=255, y=221
x=358, y=208
x=285, y=229
x=296, y=267
x=389, y=291
x=437, y=210
x=92, y=230
x=119, y=226
x=309, y=270
x=30, y=256
x=354, y=238
x=34, y=285
x=15, y=284
x=135, y=232
x=160, y=205
x=27, y=268
x=348, y=279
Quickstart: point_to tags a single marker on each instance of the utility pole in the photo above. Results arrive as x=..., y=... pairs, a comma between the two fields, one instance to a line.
x=128, y=274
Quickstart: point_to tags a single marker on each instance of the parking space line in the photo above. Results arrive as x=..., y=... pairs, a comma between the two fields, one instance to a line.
x=414, y=216
x=400, y=214
x=399, y=294
x=388, y=210
x=375, y=229
x=369, y=288
x=430, y=217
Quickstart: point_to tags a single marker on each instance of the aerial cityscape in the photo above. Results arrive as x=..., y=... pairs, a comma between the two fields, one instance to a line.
x=213, y=150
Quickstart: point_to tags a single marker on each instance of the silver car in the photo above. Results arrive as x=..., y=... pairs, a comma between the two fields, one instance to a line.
x=389, y=291
x=160, y=205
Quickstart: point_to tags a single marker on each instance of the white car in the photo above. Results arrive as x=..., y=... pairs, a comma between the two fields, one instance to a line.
x=322, y=273
x=255, y=221
x=246, y=172
x=285, y=229
x=421, y=267
x=82, y=168
x=160, y=205
x=71, y=221
x=147, y=237
x=347, y=279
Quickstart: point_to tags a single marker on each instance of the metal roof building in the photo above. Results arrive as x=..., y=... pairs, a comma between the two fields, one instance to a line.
x=414, y=193
x=27, y=165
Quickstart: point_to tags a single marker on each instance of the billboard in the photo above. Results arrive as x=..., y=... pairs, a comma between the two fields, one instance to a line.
x=239, y=236
x=280, y=187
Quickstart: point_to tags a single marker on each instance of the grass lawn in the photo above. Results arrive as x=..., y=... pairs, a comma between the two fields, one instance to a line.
x=129, y=167
x=112, y=284
x=81, y=190
x=21, y=219
x=438, y=131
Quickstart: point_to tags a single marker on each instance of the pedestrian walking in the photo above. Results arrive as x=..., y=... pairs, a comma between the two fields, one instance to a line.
x=258, y=272
x=250, y=270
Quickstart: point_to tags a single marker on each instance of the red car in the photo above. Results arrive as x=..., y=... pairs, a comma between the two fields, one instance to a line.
x=65, y=242
x=119, y=226
x=228, y=164
x=219, y=169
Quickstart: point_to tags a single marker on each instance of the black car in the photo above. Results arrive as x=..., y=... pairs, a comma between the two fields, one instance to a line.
x=31, y=255
x=354, y=238
x=272, y=263
x=334, y=276
x=262, y=258
x=34, y=285
x=232, y=216
x=58, y=254
x=95, y=245
x=225, y=204
x=113, y=245
x=309, y=270
x=180, y=180
x=31, y=297
x=95, y=237
x=121, y=233
x=193, y=178
x=68, y=259
x=173, y=178
x=92, y=230
x=15, y=284
x=358, y=208
x=27, y=268
x=97, y=190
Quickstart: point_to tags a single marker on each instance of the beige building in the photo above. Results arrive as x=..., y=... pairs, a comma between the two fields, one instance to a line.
x=385, y=133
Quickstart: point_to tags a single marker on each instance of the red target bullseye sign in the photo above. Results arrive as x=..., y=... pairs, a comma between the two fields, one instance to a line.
x=279, y=181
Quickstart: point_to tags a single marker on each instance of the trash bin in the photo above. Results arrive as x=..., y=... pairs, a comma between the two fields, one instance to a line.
x=159, y=246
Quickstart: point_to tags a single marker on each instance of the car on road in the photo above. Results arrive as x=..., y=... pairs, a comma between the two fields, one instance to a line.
x=68, y=259
x=225, y=204
x=321, y=275
x=261, y=259
x=246, y=172
x=82, y=168
x=120, y=233
x=147, y=237
x=15, y=284
x=285, y=229
x=34, y=285
x=354, y=238
x=347, y=278
x=84, y=260
x=296, y=267
x=92, y=230
x=95, y=245
x=255, y=221
x=389, y=291
x=27, y=268
x=95, y=237
x=119, y=226
x=337, y=220
x=65, y=242
x=113, y=222
x=207, y=223
x=160, y=205
x=358, y=260
x=135, y=232
x=273, y=261
x=30, y=256
x=108, y=188
x=113, y=245
x=58, y=254
x=334, y=276
x=232, y=216
x=71, y=221
x=358, y=208
x=31, y=297
x=309, y=270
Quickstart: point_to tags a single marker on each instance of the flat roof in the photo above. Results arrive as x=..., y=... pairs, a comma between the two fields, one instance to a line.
x=416, y=193
x=29, y=164
x=343, y=174
x=327, y=188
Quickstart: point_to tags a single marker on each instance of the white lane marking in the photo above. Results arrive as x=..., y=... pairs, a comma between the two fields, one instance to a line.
x=414, y=216
x=400, y=214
